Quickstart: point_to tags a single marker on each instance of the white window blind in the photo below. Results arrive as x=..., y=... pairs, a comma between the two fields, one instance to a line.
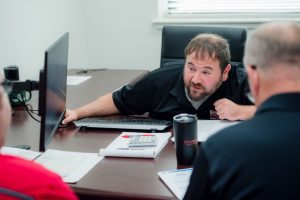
x=245, y=7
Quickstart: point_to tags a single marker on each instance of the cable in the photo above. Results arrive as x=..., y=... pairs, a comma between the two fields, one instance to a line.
x=31, y=109
x=22, y=100
x=85, y=71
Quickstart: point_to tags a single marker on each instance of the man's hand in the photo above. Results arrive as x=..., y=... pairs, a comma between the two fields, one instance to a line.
x=229, y=110
x=102, y=106
x=70, y=116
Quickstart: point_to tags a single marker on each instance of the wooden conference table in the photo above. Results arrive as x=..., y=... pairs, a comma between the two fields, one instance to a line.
x=111, y=178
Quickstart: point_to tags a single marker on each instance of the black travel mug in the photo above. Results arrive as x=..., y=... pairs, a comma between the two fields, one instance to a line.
x=186, y=140
x=11, y=73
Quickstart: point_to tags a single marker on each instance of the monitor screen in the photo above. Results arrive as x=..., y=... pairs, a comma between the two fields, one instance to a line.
x=52, y=89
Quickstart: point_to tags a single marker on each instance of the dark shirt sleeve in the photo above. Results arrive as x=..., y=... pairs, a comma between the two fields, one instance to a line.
x=199, y=181
x=126, y=104
x=135, y=98
x=154, y=93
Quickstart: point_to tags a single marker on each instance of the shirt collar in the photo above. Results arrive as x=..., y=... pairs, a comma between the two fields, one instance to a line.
x=195, y=104
x=284, y=101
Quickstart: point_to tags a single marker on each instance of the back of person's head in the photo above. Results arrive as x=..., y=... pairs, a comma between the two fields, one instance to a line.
x=274, y=44
x=5, y=115
x=211, y=45
x=272, y=60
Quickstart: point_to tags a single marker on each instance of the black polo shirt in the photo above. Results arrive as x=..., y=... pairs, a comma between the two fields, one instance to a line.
x=256, y=159
x=161, y=93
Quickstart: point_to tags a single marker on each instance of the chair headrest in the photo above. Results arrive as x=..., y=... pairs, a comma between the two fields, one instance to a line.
x=176, y=38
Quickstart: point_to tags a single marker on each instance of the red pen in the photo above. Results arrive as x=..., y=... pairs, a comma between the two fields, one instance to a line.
x=129, y=136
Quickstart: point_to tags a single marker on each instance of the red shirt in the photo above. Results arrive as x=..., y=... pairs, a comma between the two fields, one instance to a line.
x=32, y=179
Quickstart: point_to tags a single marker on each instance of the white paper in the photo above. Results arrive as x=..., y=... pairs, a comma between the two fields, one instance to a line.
x=129, y=152
x=76, y=80
x=119, y=147
x=206, y=128
x=23, y=153
x=177, y=180
x=71, y=166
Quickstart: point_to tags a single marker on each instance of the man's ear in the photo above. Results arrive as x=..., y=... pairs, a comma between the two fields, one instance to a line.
x=226, y=72
x=1, y=98
x=253, y=80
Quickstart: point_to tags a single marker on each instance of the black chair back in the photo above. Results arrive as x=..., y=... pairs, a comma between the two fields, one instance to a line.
x=176, y=38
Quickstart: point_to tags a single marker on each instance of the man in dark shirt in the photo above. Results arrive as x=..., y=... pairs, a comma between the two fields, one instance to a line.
x=206, y=84
x=259, y=158
x=164, y=94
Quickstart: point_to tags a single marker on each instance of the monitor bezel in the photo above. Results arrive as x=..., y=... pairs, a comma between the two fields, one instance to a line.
x=45, y=139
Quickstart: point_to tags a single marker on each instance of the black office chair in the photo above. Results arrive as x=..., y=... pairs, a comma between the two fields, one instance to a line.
x=176, y=38
x=16, y=195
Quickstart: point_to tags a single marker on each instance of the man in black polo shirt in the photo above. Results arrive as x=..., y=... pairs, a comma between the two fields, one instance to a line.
x=259, y=158
x=207, y=85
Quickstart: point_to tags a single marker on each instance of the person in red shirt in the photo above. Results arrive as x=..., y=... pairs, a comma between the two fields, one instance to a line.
x=23, y=176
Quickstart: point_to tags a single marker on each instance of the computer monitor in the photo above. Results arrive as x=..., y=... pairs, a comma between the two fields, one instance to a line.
x=52, y=89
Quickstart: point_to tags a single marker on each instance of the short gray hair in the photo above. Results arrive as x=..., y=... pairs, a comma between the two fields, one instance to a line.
x=271, y=43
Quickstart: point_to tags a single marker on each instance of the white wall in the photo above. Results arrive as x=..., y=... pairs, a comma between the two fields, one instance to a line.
x=103, y=33
x=121, y=34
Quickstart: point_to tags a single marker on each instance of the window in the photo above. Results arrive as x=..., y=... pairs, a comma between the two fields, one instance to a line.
x=228, y=11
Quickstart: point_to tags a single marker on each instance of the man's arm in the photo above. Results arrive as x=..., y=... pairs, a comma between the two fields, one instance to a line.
x=100, y=107
x=229, y=110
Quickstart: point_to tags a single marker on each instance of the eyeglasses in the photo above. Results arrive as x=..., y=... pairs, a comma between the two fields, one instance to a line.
x=253, y=67
x=250, y=97
x=7, y=86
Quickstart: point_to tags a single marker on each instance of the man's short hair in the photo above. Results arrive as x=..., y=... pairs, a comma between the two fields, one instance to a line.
x=273, y=43
x=212, y=45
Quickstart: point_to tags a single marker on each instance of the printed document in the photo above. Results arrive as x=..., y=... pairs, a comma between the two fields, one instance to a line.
x=120, y=146
x=71, y=166
x=207, y=128
x=177, y=180
x=76, y=80
x=23, y=153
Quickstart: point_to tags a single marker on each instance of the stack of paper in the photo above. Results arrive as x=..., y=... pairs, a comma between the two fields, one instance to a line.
x=26, y=154
x=119, y=147
x=71, y=166
x=177, y=180
x=206, y=128
x=76, y=80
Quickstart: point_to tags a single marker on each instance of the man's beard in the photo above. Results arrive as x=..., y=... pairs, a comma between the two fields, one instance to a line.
x=203, y=94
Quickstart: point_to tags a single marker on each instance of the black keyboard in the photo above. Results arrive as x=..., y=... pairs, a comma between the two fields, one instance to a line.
x=124, y=123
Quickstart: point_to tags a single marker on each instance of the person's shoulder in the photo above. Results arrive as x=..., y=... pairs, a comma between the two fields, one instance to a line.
x=171, y=68
x=33, y=179
x=166, y=73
